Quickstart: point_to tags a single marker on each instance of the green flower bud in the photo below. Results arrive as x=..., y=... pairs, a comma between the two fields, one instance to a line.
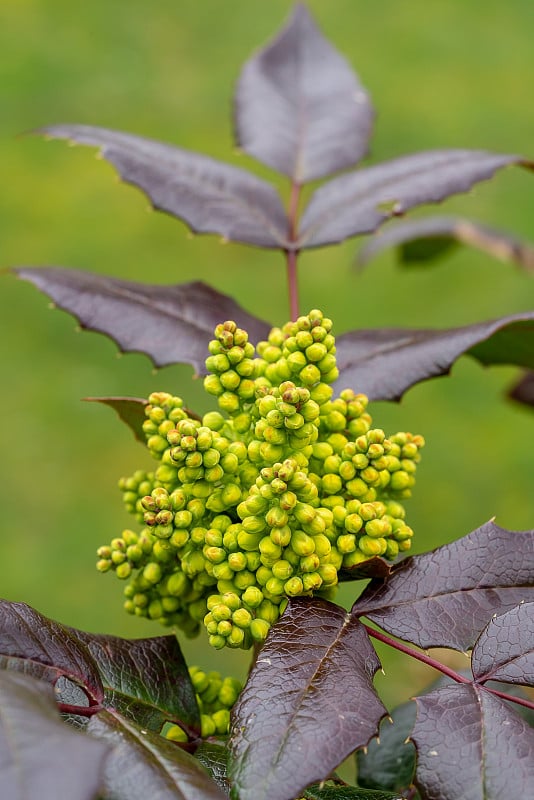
x=331, y=484
x=252, y=596
x=312, y=581
x=354, y=558
x=218, y=642
x=372, y=547
x=103, y=565
x=301, y=543
x=176, y=734
x=221, y=719
x=309, y=563
x=259, y=628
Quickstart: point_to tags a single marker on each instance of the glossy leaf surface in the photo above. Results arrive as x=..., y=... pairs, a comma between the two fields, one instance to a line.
x=145, y=765
x=308, y=703
x=40, y=756
x=389, y=760
x=472, y=746
x=446, y=597
x=170, y=324
x=208, y=195
x=359, y=202
x=504, y=651
x=422, y=240
x=319, y=792
x=299, y=107
x=214, y=758
x=384, y=363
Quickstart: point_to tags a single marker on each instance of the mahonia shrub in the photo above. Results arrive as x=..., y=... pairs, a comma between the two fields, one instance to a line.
x=254, y=512
x=265, y=499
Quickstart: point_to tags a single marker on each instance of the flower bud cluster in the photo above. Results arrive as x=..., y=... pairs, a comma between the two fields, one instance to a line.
x=215, y=698
x=266, y=498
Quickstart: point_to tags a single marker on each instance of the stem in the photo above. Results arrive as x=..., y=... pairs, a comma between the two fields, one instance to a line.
x=292, y=255
x=80, y=711
x=513, y=699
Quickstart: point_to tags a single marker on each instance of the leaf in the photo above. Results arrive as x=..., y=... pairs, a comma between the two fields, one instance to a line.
x=146, y=679
x=131, y=410
x=421, y=240
x=308, y=703
x=208, y=195
x=40, y=756
x=523, y=391
x=446, y=597
x=170, y=324
x=214, y=758
x=384, y=363
x=347, y=793
x=358, y=202
x=504, y=651
x=38, y=646
x=374, y=567
x=145, y=765
x=389, y=761
x=470, y=745
x=299, y=107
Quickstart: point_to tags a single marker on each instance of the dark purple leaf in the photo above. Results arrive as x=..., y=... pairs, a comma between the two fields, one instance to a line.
x=360, y=201
x=146, y=678
x=471, y=745
x=131, y=410
x=446, y=597
x=384, y=363
x=170, y=324
x=504, y=651
x=320, y=792
x=208, y=195
x=523, y=391
x=38, y=646
x=144, y=765
x=308, y=703
x=299, y=107
x=389, y=760
x=374, y=567
x=423, y=239
x=40, y=756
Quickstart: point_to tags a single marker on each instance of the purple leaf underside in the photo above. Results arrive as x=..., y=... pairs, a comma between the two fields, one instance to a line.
x=40, y=756
x=131, y=410
x=470, y=744
x=412, y=235
x=170, y=324
x=299, y=106
x=359, y=202
x=384, y=363
x=308, y=703
x=504, y=651
x=208, y=195
x=446, y=597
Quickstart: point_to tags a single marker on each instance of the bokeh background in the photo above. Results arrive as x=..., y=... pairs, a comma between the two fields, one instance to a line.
x=441, y=74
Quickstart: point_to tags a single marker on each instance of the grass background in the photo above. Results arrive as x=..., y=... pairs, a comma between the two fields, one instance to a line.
x=445, y=74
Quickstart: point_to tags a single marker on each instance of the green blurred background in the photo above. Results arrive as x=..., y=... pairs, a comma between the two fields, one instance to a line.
x=441, y=74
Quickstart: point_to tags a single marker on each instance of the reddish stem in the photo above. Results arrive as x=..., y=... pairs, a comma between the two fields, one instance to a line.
x=80, y=711
x=521, y=701
x=292, y=255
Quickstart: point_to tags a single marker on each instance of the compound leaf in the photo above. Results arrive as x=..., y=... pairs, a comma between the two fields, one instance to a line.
x=45, y=649
x=359, y=202
x=208, y=195
x=170, y=324
x=471, y=746
x=384, y=363
x=299, y=107
x=40, y=756
x=421, y=240
x=446, y=597
x=144, y=765
x=504, y=651
x=388, y=762
x=308, y=703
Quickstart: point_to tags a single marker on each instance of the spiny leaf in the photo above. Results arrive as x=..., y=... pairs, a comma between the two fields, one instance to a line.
x=504, y=651
x=38, y=646
x=384, y=363
x=308, y=703
x=446, y=597
x=208, y=195
x=471, y=745
x=170, y=324
x=360, y=201
x=388, y=762
x=299, y=107
x=40, y=756
x=421, y=240
x=144, y=765
x=131, y=410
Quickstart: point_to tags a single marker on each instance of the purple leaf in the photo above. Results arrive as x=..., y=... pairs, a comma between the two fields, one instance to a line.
x=523, y=391
x=146, y=678
x=446, y=597
x=40, y=756
x=360, y=201
x=208, y=195
x=131, y=410
x=170, y=324
x=38, y=646
x=504, y=651
x=308, y=703
x=423, y=239
x=374, y=567
x=471, y=745
x=144, y=765
x=299, y=106
x=384, y=363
